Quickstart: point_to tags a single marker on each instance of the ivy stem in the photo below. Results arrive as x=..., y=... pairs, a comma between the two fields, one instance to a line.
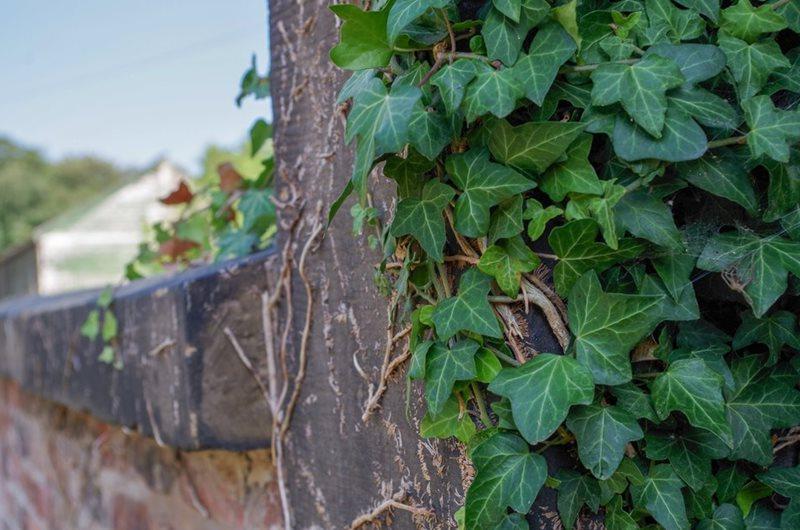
x=465, y=55
x=734, y=140
x=443, y=275
x=476, y=392
x=505, y=358
x=435, y=280
x=545, y=255
x=591, y=67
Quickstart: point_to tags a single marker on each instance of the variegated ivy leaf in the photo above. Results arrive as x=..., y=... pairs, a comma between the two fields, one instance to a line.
x=423, y=218
x=746, y=22
x=691, y=387
x=507, y=474
x=506, y=262
x=681, y=139
x=574, y=174
x=452, y=81
x=533, y=146
x=660, y=494
x=483, y=184
x=451, y=421
x=722, y=172
x=443, y=367
x=404, y=12
x=640, y=88
x=491, y=92
x=504, y=36
x=541, y=392
x=602, y=434
x=538, y=217
x=574, y=244
x=669, y=22
x=607, y=326
x=774, y=331
x=362, y=38
x=469, y=310
x=646, y=216
x=575, y=491
x=761, y=264
x=771, y=130
x=536, y=71
x=751, y=64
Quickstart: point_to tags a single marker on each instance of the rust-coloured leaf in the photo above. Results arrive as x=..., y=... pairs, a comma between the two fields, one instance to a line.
x=181, y=195
x=229, y=179
x=176, y=248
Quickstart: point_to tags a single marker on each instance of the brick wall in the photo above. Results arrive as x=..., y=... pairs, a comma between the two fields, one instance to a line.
x=64, y=470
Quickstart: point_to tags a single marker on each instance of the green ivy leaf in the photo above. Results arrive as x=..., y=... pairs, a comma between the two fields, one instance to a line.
x=423, y=219
x=681, y=139
x=487, y=366
x=602, y=434
x=469, y=310
x=707, y=108
x=607, y=326
x=691, y=387
x=506, y=262
x=451, y=421
x=506, y=219
x=492, y=91
x=746, y=22
x=362, y=38
x=504, y=36
x=667, y=21
x=721, y=173
x=483, y=185
x=536, y=71
x=601, y=209
x=109, y=326
x=429, y=131
x=686, y=457
x=774, y=331
x=726, y=517
x=443, y=367
x=661, y=495
x=538, y=217
x=258, y=210
x=771, y=130
x=574, y=174
x=783, y=194
x=632, y=399
x=531, y=147
x=640, y=88
x=578, y=252
x=646, y=216
x=791, y=12
x=507, y=474
x=784, y=480
x=452, y=81
x=751, y=64
x=409, y=173
x=91, y=326
x=574, y=491
x=617, y=518
x=763, y=518
x=674, y=269
x=404, y=12
x=541, y=392
x=709, y=8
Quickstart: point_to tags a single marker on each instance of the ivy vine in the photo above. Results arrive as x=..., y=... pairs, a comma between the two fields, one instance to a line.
x=629, y=170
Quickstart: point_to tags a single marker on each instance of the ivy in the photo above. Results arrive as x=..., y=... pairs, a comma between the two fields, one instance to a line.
x=629, y=170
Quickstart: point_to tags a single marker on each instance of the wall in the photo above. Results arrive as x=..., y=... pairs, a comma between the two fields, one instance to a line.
x=64, y=470
x=18, y=270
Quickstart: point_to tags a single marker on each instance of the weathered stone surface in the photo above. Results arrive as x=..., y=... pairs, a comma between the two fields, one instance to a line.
x=181, y=382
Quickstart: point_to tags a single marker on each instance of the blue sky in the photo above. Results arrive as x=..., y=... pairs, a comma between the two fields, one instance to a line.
x=129, y=80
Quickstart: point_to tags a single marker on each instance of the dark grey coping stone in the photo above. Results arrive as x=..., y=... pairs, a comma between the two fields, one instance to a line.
x=181, y=380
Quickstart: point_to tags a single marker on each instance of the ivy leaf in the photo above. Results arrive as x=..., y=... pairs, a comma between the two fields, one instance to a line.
x=705, y=107
x=645, y=216
x=469, y=310
x=510, y=8
x=492, y=91
x=763, y=264
x=602, y=434
x=541, y=392
x=726, y=517
x=423, y=219
x=574, y=491
x=617, y=518
x=483, y=185
x=762, y=518
x=487, y=366
x=691, y=387
x=258, y=211
x=574, y=174
x=746, y=22
x=504, y=37
x=640, y=88
x=443, y=367
x=607, y=326
x=721, y=173
x=674, y=269
x=666, y=20
x=533, y=146
x=751, y=64
x=452, y=81
x=507, y=474
x=681, y=139
x=661, y=495
x=538, y=217
x=506, y=219
x=91, y=326
x=578, y=252
x=632, y=399
x=771, y=130
x=404, y=12
x=506, y=262
x=791, y=12
x=697, y=62
x=783, y=194
x=686, y=457
x=784, y=480
x=774, y=331
x=451, y=421
x=428, y=131
x=536, y=71
x=382, y=115
x=709, y=8
x=601, y=209
x=362, y=38
x=409, y=174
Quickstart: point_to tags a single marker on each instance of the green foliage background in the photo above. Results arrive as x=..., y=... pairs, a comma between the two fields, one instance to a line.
x=642, y=156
